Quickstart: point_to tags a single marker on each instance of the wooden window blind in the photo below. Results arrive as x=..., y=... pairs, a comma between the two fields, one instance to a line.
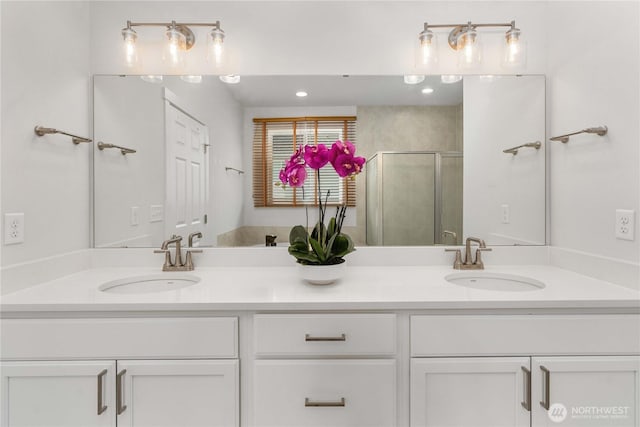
x=276, y=139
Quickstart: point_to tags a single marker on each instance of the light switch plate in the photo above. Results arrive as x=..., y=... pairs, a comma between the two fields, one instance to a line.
x=625, y=224
x=156, y=213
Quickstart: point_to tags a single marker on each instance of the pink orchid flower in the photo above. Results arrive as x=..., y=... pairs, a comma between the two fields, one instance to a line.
x=316, y=156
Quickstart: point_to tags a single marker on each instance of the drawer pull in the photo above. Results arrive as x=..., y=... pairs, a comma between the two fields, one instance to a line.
x=101, y=406
x=324, y=403
x=546, y=388
x=342, y=337
x=526, y=393
x=120, y=406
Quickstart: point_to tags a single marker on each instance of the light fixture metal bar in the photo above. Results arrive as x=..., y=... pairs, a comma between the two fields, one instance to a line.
x=169, y=24
x=466, y=24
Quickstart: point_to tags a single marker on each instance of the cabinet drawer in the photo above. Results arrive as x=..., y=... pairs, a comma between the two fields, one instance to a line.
x=324, y=334
x=525, y=335
x=211, y=337
x=324, y=393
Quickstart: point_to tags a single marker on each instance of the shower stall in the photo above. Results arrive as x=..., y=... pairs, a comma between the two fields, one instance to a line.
x=414, y=198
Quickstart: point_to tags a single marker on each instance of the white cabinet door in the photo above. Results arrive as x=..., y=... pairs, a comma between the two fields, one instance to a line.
x=179, y=393
x=323, y=393
x=598, y=391
x=58, y=394
x=470, y=392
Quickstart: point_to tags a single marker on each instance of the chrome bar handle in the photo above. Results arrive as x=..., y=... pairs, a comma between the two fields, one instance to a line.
x=101, y=406
x=546, y=386
x=308, y=403
x=120, y=407
x=526, y=392
x=342, y=337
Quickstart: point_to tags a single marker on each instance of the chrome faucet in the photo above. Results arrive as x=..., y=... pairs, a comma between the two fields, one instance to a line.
x=177, y=264
x=468, y=263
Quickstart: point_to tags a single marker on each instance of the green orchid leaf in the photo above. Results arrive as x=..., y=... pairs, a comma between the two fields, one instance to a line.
x=298, y=233
x=332, y=227
x=317, y=248
x=343, y=245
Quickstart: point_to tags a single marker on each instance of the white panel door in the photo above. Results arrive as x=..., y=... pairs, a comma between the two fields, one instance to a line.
x=186, y=141
x=58, y=394
x=594, y=391
x=470, y=392
x=178, y=393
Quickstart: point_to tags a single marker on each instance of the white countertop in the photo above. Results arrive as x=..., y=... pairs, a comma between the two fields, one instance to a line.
x=280, y=288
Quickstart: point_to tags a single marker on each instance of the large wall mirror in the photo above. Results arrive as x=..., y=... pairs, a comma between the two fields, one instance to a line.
x=173, y=155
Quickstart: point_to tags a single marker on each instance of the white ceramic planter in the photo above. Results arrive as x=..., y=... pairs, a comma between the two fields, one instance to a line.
x=321, y=274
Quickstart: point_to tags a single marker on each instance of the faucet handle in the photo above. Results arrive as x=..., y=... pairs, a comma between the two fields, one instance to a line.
x=457, y=263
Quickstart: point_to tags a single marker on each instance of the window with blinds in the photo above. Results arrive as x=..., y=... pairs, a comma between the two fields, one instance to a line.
x=276, y=139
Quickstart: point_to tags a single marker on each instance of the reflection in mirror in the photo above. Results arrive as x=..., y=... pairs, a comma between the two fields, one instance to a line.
x=192, y=170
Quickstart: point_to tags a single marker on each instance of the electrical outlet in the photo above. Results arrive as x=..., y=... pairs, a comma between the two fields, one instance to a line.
x=13, y=228
x=505, y=214
x=625, y=224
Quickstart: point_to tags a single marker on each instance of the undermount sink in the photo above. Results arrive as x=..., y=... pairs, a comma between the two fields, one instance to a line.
x=149, y=284
x=495, y=281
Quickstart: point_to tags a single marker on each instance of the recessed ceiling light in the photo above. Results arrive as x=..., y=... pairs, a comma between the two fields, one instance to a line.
x=427, y=90
x=450, y=78
x=230, y=79
x=413, y=79
x=191, y=79
x=301, y=94
x=152, y=79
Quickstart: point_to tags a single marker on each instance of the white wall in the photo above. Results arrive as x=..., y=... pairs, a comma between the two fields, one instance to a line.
x=502, y=113
x=128, y=112
x=46, y=81
x=593, y=69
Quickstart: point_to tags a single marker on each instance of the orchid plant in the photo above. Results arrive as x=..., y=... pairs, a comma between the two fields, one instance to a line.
x=326, y=244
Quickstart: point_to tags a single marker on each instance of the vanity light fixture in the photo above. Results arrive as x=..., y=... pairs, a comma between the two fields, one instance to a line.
x=150, y=78
x=464, y=39
x=413, y=79
x=301, y=94
x=179, y=39
x=450, y=78
x=191, y=79
x=231, y=79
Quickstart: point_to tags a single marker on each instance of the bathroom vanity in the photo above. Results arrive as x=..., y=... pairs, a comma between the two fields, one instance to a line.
x=385, y=346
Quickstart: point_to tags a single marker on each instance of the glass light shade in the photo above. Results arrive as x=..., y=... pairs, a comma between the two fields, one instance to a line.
x=428, y=49
x=469, y=49
x=130, y=52
x=450, y=78
x=413, y=79
x=175, y=48
x=191, y=79
x=515, y=52
x=231, y=79
x=215, y=42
